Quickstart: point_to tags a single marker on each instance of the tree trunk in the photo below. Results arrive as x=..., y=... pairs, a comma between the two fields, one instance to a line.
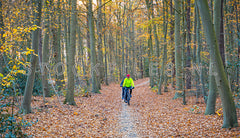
x=211, y=102
x=183, y=62
x=178, y=49
x=1, y=39
x=92, y=47
x=162, y=73
x=60, y=69
x=150, y=47
x=172, y=42
x=238, y=44
x=71, y=57
x=221, y=37
x=157, y=45
x=188, y=56
x=229, y=109
x=45, y=52
x=26, y=104
x=100, y=52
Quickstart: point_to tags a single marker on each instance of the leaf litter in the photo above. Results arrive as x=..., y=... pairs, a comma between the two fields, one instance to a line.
x=99, y=116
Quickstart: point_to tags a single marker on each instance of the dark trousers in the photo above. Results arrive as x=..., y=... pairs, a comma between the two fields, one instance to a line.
x=122, y=93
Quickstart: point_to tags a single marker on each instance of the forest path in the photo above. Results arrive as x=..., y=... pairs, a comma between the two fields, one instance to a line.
x=106, y=115
x=128, y=117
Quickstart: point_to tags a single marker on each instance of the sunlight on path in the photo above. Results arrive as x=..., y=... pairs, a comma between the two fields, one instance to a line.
x=128, y=119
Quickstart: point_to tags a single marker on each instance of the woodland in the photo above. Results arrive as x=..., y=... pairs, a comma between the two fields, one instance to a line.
x=62, y=62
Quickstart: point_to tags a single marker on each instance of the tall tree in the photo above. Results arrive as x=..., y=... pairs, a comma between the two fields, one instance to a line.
x=178, y=49
x=1, y=38
x=99, y=44
x=150, y=46
x=221, y=37
x=26, y=104
x=172, y=42
x=188, y=57
x=45, y=50
x=59, y=66
x=162, y=73
x=70, y=57
x=238, y=44
x=229, y=109
x=92, y=47
x=210, y=109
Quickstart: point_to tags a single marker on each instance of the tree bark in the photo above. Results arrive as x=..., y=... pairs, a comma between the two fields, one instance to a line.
x=92, y=47
x=211, y=102
x=1, y=39
x=60, y=69
x=69, y=99
x=150, y=47
x=178, y=49
x=162, y=73
x=229, y=109
x=99, y=45
x=188, y=60
x=45, y=51
x=26, y=104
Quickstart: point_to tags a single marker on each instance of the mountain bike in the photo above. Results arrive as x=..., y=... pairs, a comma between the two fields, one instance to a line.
x=127, y=95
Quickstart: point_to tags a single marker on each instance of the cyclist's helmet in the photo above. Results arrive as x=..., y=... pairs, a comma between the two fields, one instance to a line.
x=128, y=75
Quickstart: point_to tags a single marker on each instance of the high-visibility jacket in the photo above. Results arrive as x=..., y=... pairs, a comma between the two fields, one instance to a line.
x=128, y=82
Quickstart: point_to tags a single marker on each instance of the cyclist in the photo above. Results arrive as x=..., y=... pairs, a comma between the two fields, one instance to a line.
x=128, y=84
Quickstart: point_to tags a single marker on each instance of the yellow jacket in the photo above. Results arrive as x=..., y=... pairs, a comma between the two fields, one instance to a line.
x=128, y=82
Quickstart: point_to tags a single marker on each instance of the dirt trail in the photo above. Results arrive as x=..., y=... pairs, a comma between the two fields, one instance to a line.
x=106, y=115
x=128, y=118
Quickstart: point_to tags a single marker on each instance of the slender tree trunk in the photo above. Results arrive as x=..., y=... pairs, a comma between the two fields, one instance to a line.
x=229, y=109
x=45, y=51
x=150, y=47
x=221, y=37
x=123, y=48
x=92, y=46
x=183, y=62
x=1, y=39
x=26, y=104
x=71, y=57
x=172, y=42
x=196, y=75
x=178, y=49
x=133, y=48
x=188, y=60
x=99, y=45
x=238, y=44
x=157, y=45
x=162, y=73
x=59, y=66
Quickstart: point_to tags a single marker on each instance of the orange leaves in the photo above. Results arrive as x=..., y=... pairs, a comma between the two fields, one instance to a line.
x=75, y=113
x=94, y=116
x=100, y=116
